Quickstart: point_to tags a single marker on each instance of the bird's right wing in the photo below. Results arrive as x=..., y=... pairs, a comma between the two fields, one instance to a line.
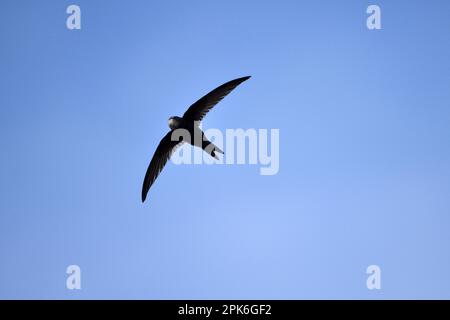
x=163, y=152
x=199, y=109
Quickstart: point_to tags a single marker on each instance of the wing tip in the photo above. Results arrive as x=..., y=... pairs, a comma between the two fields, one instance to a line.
x=241, y=79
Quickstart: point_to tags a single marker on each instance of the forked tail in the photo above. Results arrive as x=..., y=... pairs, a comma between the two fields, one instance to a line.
x=211, y=149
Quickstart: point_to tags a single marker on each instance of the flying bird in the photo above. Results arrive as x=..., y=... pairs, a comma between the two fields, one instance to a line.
x=189, y=121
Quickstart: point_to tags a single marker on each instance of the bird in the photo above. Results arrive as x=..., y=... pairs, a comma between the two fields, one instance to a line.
x=190, y=122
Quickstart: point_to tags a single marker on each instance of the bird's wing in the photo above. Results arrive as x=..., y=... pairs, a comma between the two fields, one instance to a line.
x=165, y=149
x=199, y=109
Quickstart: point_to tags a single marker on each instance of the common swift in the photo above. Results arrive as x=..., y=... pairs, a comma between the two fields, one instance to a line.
x=190, y=122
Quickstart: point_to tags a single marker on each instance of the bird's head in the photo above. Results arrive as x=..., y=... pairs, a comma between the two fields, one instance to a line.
x=174, y=122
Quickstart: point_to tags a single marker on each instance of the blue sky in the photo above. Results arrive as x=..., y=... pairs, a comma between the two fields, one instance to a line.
x=364, y=150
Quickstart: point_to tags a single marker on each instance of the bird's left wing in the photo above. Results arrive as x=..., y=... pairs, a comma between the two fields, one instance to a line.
x=163, y=152
x=199, y=109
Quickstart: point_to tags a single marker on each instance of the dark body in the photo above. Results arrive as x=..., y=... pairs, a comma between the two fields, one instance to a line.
x=196, y=138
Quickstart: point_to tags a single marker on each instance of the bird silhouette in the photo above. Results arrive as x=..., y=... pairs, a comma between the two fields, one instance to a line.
x=190, y=122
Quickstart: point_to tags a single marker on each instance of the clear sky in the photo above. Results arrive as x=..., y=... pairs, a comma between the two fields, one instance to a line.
x=364, y=150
